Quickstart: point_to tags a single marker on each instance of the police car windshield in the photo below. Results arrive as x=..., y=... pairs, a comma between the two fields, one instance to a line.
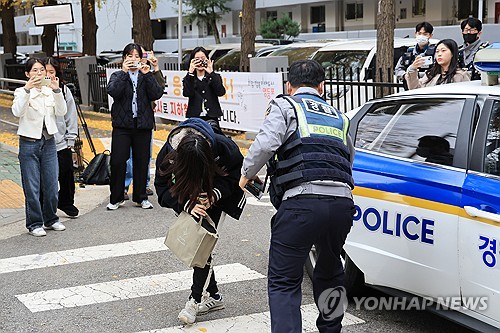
x=336, y=63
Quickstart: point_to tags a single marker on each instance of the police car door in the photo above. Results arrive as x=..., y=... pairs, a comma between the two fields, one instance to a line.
x=409, y=173
x=479, y=224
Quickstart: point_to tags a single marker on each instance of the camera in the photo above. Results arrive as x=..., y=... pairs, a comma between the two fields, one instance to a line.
x=255, y=189
x=135, y=64
x=428, y=60
x=45, y=81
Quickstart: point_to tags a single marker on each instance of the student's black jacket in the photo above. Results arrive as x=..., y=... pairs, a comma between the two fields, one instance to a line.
x=230, y=197
x=121, y=89
x=207, y=90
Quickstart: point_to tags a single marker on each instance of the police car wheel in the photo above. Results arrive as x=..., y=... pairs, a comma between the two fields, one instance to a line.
x=354, y=278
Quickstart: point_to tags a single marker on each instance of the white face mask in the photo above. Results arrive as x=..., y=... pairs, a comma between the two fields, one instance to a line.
x=422, y=39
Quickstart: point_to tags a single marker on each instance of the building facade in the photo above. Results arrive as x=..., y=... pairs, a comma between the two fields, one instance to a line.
x=315, y=17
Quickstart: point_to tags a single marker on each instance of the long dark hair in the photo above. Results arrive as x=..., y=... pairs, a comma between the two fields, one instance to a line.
x=129, y=48
x=191, y=169
x=452, y=69
x=196, y=50
x=31, y=61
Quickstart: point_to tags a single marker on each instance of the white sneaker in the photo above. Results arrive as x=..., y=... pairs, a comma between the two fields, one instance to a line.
x=115, y=206
x=38, y=232
x=145, y=204
x=188, y=315
x=58, y=226
x=210, y=304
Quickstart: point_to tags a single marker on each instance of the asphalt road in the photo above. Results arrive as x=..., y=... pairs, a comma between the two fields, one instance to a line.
x=65, y=293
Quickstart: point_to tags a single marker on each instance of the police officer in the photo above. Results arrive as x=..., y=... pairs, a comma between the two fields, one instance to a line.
x=423, y=33
x=471, y=31
x=310, y=162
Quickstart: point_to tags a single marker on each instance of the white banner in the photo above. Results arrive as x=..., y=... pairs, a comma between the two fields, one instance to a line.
x=244, y=104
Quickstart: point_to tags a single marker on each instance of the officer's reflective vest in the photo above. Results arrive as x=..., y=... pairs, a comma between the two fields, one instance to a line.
x=409, y=56
x=317, y=150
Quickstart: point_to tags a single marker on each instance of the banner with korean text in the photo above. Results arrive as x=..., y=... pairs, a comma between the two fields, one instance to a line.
x=244, y=104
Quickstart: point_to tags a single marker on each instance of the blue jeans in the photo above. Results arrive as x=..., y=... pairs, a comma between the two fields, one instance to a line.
x=130, y=169
x=39, y=172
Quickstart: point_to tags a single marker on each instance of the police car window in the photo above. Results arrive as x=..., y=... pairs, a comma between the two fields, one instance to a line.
x=492, y=152
x=423, y=130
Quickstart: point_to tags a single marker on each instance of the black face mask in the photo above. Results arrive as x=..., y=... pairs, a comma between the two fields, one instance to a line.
x=469, y=38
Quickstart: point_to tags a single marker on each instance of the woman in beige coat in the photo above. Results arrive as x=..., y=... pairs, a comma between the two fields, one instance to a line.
x=445, y=69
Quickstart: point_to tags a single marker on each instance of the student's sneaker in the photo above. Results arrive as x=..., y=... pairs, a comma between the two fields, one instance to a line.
x=115, y=206
x=145, y=204
x=210, y=304
x=38, y=232
x=149, y=191
x=58, y=226
x=71, y=211
x=188, y=315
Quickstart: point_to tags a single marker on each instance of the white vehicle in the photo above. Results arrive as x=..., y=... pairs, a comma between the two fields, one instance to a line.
x=353, y=60
x=427, y=196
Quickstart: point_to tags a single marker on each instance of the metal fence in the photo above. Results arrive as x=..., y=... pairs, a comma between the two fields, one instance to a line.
x=345, y=88
x=70, y=76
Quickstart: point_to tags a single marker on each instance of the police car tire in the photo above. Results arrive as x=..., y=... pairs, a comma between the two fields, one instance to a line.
x=354, y=278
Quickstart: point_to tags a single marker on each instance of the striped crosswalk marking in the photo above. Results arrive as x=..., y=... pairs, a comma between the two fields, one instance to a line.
x=256, y=322
x=129, y=288
x=35, y=261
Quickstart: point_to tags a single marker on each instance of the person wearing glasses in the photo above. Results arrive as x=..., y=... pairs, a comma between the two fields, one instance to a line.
x=37, y=105
x=471, y=33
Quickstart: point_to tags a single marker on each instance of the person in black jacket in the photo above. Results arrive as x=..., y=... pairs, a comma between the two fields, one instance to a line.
x=133, y=89
x=198, y=171
x=203, y=87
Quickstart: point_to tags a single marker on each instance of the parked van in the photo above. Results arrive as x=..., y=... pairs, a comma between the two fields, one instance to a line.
x=354, y=60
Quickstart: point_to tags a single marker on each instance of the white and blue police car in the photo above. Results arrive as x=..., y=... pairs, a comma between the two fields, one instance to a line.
x=427, y=174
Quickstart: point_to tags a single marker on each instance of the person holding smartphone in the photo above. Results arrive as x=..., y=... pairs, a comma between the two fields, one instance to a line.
x=203, y=87
x=133, y=89
x=37, y=107
x=445, y=69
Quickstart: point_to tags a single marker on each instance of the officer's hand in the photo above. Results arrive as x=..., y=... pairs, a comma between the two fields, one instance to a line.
x=243, y=181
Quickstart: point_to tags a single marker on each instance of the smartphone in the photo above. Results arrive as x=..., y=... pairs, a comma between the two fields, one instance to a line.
x=255, y=189
x=45, y=81
x=428, y=60
x=135, y=64
x=145, y=55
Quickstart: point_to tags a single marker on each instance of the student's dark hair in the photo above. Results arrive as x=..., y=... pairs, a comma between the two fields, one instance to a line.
x=196, y=50
x=452, y=69
x=31, y=61
x=191, y=169
x=473, y=23
x=306, y=73
x=427, y=27
x=130, y=47
x=57, y=67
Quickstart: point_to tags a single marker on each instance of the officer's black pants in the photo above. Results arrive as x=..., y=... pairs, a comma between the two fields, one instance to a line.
x=303, y=221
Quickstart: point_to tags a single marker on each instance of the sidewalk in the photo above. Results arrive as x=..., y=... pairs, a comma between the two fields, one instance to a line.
x=12, y=216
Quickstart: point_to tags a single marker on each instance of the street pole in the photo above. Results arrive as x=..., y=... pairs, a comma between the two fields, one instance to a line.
x=480, y=10
x=179, y=35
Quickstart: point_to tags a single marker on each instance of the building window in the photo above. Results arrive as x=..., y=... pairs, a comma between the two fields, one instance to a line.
x=317, y=14
x=272, y=15
x=466, y=9
x=354, y=11
x=418, y=7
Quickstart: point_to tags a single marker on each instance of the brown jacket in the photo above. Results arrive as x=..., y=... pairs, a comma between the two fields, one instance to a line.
x=414, y=82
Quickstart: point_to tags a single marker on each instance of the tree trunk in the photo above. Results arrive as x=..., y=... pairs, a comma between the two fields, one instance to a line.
x=213, y=24
x=9, y=29
x=89, y=29
x=142, y=32
x=386, y=21
x=248, y=34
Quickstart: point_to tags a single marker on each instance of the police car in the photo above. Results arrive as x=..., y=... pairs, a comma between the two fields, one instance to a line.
x=427, y=174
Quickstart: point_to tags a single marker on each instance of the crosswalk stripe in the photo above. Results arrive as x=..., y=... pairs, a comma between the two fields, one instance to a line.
x=51, y=259
x=129, y=288
x=256, y=322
